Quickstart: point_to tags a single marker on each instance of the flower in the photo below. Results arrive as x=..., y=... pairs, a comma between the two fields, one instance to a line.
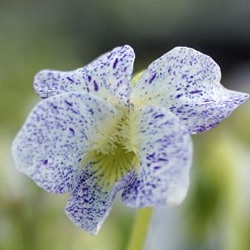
x=94, y=135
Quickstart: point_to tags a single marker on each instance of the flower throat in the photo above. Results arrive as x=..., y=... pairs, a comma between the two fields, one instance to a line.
x=113, y=155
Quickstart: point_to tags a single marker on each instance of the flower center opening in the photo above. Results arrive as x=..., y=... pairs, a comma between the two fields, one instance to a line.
x=113, y=154
x=113, y=166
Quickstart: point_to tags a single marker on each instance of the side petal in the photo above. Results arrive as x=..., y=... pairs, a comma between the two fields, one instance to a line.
x=165, y=154
x=51, y=145
x=107, y=77
x=90, y=203
x=188, y=83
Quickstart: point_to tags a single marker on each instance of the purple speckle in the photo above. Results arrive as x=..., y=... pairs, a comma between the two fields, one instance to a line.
x=91, y=111
x=150, y=156
x=110, y=55
x=45, y=162
x=179, y=95
x=89, y=78
x=69, y=103
x=72, y=131
x=96, y=87
x=74, y=111
x=163, y=159
x=159, y=116
x=70, y=79
x=157, y=167
x=152, y=78
x=115, y=63
x=207, y=100
x=195, y=92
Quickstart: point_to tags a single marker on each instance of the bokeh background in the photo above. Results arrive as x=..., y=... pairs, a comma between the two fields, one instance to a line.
x=65, y=35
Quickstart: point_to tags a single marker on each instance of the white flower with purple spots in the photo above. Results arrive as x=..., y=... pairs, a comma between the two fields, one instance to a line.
x=94, y=135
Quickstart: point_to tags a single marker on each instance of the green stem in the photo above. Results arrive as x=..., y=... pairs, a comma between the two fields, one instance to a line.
x=140, y=229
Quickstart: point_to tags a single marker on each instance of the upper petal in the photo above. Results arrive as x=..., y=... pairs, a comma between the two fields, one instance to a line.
x=165, y=154
x=107, y=77
x=90, y=202
x=188, y=83
x=58, y=132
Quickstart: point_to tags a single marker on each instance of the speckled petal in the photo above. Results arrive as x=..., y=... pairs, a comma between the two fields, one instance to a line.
x=90, y=204
x=51, y=144
x=107, y=77
x=165, y=154
x=188, y=83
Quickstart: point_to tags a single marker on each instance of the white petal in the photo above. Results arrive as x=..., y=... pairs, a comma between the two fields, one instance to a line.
x=188, y=83
x=51, y=144
x=90, y=203
x=107, y=77
x=165, y=154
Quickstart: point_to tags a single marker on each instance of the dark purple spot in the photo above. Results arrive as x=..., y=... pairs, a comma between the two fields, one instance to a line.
x=195, y=92
x=96, y=87
x=149, y=157
x=206, y=100
x=70, y=79
x=159, y=116
x=72, y=131
x=109, y=55
x=115, y=63
x=45, y=162
x=91, y=111
x=162, y=159
x=74, y=111
x=178, y=96
x=69, y=103
x=89, y=78
x=152, y=78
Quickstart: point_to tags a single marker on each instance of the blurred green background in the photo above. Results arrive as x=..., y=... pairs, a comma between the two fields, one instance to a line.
x=68, y=34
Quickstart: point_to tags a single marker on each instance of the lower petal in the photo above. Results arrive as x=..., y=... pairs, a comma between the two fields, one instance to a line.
x=165, y=154
x=90, y=203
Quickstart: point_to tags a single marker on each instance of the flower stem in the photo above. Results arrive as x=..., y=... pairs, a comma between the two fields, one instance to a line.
x=140, y=229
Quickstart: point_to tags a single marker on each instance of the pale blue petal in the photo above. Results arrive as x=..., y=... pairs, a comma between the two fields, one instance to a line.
x=51, y=144
x=90, y=203
x=187, y=82
x=165, y=154
x=107, y=77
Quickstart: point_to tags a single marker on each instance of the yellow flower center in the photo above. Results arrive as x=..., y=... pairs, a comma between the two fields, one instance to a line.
x=114, y=151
